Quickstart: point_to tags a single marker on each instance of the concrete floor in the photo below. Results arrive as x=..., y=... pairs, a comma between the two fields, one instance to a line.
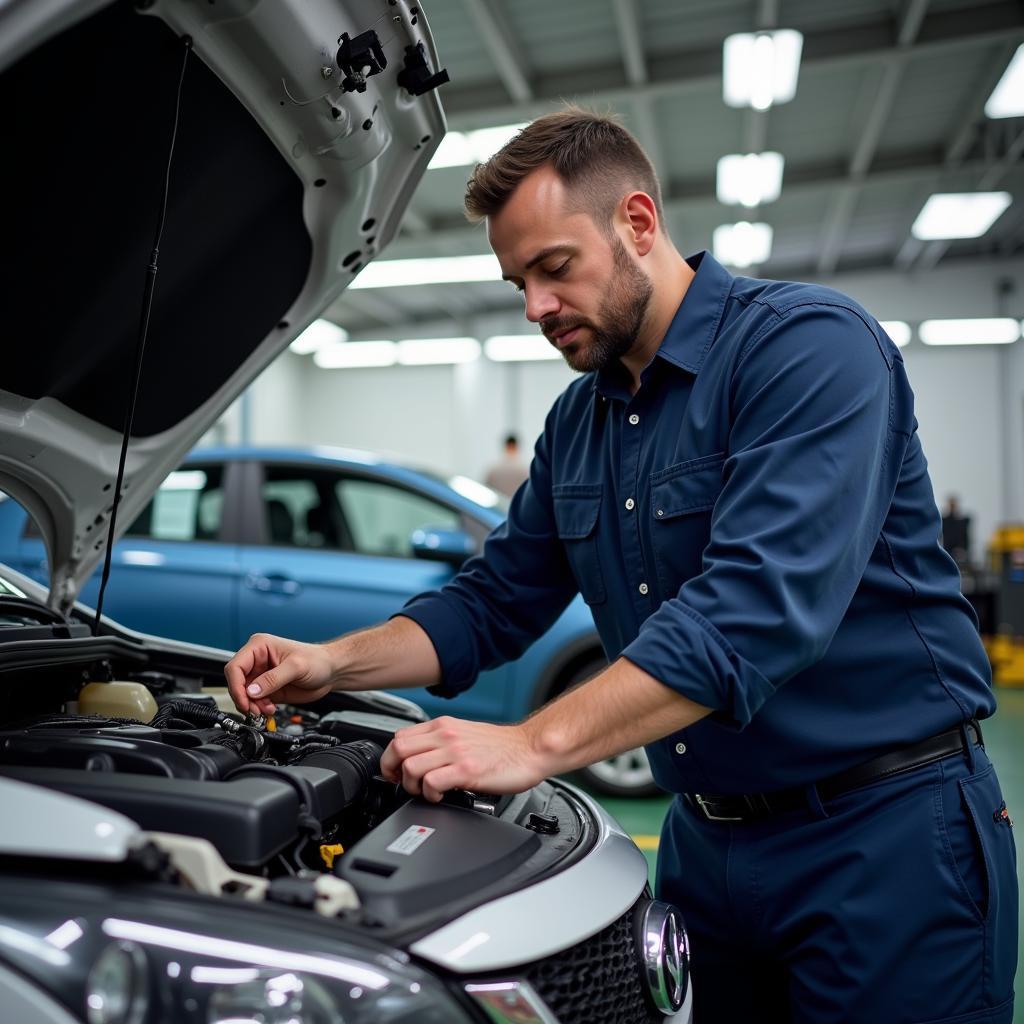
x=1004, y=740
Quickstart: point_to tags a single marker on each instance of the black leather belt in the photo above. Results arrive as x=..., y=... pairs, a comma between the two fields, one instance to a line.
x=758, y=806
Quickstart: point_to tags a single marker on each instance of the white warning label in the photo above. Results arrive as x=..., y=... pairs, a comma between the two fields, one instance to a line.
x=411, y=839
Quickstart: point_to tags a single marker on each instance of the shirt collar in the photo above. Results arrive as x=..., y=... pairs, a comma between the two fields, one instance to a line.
x=694, y=325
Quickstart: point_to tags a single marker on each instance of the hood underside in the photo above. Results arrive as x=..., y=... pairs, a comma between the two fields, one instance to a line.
x=282, y=186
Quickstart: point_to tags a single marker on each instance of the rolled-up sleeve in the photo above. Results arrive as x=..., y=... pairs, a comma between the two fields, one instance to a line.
x=505, y=598
x=807, y=482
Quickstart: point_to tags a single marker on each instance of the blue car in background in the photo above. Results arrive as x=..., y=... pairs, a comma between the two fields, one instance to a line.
x=313, y=542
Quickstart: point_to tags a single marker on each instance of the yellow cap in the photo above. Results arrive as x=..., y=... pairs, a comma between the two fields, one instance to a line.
x=329, y=852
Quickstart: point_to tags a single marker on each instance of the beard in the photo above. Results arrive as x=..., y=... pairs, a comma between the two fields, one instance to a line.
x=619, y=319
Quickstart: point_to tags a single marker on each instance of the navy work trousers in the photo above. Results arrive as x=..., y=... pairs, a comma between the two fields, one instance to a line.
x=896, y=902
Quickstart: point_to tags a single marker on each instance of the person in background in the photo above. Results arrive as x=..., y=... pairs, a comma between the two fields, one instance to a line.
x=506, y=475
x=956, y=531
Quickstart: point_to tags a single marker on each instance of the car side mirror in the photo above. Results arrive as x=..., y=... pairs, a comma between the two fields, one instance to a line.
x=434, y=544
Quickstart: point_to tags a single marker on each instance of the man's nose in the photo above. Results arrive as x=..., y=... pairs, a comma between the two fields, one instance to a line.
x=541, y=303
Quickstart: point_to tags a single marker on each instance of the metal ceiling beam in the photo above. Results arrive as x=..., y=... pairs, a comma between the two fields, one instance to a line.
x=503, y=46
x=634, y=61
x=676, y=74
x=845, y=202
x=628, y=19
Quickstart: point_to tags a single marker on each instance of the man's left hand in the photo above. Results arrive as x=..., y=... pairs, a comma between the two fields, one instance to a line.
x=448, y=753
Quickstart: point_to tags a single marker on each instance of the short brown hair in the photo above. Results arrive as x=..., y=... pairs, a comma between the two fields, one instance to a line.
x=593, y=155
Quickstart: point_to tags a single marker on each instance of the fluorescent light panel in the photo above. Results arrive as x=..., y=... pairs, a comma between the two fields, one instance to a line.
x=316, y=335
x=436, y=351
x=460, y=149
x=749, y=179
x=432, y=270
x=1007, y=99
x=515, y=348
x=898, y=331
x=743, y=244
x=959, y=214
x=991, y=331
x=351, y=354
x=761, y=68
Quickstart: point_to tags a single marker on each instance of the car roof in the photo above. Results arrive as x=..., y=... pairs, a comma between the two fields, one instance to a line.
x=422, y=478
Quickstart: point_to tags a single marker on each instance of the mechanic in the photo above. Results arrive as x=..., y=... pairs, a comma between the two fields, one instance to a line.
x=737, y=489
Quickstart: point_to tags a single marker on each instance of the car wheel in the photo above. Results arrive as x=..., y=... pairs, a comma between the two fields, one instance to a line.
x=628, y=774
x=625, y=775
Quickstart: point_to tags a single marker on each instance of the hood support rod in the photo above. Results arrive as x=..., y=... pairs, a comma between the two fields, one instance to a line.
x=147, y=305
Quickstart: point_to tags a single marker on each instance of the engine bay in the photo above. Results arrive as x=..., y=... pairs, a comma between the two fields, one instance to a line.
x=291, y=810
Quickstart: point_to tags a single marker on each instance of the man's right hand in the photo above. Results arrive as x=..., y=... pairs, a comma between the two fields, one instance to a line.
x=294, y=672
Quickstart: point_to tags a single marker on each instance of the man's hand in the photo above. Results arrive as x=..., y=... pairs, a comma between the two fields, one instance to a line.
x=448, y=753
x=294, y=672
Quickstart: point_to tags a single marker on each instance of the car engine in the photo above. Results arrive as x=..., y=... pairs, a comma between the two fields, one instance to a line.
x=270, y=809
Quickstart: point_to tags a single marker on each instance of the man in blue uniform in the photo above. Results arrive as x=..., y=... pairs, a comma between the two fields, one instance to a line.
x=737, y=489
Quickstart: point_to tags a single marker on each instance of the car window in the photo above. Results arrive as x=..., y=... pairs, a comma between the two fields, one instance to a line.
x=188, y=506
x=382, y=517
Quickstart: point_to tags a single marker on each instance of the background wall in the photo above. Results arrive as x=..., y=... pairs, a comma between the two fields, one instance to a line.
x=970, y=400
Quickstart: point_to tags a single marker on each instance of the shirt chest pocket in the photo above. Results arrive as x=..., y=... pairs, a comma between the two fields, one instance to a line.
x=682, y=499
x=577, y=508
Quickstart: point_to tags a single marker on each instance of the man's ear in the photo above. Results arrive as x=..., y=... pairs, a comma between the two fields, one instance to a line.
x=641, y=220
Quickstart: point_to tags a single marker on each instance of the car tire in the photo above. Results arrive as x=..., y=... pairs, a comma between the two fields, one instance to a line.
x=626, y=775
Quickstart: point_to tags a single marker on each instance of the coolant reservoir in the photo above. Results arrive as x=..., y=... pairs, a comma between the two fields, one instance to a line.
x=119, y=699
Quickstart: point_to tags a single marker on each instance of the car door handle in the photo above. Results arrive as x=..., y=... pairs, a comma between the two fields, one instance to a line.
x=273, y=584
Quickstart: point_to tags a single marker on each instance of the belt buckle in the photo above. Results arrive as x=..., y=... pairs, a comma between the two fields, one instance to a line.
x=704, y=806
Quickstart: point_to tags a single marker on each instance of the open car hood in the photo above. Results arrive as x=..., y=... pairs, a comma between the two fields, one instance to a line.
x=287, y=178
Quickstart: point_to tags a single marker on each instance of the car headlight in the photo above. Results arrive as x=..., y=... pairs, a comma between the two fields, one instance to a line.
x=195, y=961
x=116, y=990
x=271, y=998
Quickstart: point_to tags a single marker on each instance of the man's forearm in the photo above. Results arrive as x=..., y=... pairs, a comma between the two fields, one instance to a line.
x=393, y=655
x=620, y=708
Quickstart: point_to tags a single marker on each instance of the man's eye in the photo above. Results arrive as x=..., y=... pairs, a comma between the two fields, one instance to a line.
x=560, y=270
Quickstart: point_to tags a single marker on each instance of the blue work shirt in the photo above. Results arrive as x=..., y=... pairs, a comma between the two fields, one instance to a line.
x=755, y=528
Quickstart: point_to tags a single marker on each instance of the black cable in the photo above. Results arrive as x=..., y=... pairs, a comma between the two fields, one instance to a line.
x=147, y=305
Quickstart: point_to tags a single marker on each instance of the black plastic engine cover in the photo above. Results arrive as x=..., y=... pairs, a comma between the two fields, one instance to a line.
x=249, y=820
x=426, y=856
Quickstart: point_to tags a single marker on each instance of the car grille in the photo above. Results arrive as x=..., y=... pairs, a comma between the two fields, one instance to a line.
x=596, y=981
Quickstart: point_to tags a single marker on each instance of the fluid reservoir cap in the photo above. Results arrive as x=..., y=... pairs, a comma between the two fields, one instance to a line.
x=546, y=824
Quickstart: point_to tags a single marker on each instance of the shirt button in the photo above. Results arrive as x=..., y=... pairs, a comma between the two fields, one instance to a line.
x=660, y=512
x=630, y=504
x=634, y=419
x=680, y=748
x=643, y=588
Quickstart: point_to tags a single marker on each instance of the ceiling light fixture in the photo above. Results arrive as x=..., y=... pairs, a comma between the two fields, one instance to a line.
x=761, y=68
x=743, y=244
x=353, y=354
x=428, y=270
x=959, y=214
x=517, y=348
x=460, y=149
x=898, y=331
x=750, y=179
x=318, y=334
x=1007, y=99
x=436, y=351
x=990, y=331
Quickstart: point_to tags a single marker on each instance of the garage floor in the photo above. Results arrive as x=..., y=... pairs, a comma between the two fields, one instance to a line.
x=1004, y=740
